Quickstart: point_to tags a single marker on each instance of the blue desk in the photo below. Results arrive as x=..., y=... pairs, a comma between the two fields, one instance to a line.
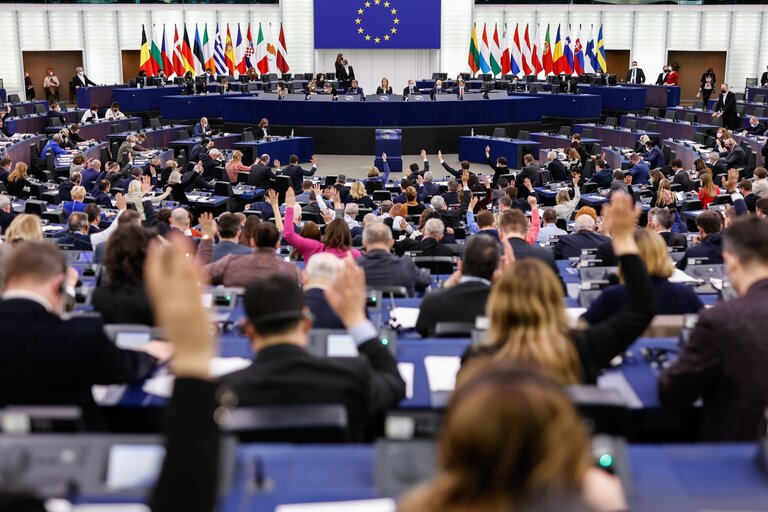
x=755, y=142
x=297, y=112
x=751, y=92
x=220, y=141
x=195, y=107
x=20, y=151
x=617, y=98
x=661, y=96
x=143, y=100
x=3, y=96
x=473, y=149
x=614, y=136
x=100, y=95
x=671, y=129
x=555, y=140
x=156, y=137
x=569, y=106
x=282, y=149
x=36, y=123
x=705, y=116
x=687, y=155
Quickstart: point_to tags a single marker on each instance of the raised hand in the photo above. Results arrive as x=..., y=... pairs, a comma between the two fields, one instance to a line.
x=290, y=198
x=440, y=155
x=313, y=160
x=120, y=202
x=272, y=199
x=488, y=151
x=532, y=201
x=473, y=203
x=620, y=218
x=465, y=177
x=146, y=184
x=347, y=295
x=207, y=224
x=423, y=153
x=383, y=157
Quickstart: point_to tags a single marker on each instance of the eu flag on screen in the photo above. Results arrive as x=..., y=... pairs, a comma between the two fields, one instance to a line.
x=377, y=24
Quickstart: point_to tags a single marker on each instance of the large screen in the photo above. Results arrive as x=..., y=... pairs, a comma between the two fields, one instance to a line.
x=377, y=24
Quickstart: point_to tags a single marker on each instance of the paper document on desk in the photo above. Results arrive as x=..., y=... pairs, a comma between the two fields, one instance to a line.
x=57, y=505
x=406, y=373
x=678, y=276
x=162, y=385
x=573, y=315
x=381, y=505
x=441, y=372
x=403, y=318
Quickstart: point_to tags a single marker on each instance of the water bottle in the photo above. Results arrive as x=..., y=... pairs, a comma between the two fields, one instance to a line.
x=291, y=132
x=473, y=132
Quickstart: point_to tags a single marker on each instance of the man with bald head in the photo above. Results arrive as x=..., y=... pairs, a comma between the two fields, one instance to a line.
x=202, y=129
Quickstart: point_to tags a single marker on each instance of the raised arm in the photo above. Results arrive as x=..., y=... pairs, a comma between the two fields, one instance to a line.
x=303, y=245
x=533, y=229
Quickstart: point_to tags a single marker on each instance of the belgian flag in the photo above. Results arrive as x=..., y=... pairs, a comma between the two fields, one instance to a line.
x=145, y=58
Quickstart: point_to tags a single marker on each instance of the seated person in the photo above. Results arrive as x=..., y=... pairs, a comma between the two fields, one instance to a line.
x=77, y=236
x=53, y=145
x=603, y=174
x=556, y=167
x=755, y=127
x=319, y=276
x=672, y=298
x=242, y=269
x=429, y=245
x=283, y=372
x=583, y=237
x=724, y=360
x=437, y=89
x=653, y=156
x=123, y=299
x=462, y=298
x=113, y=112
x=76, y=204
x=640, y=170
x=411, y=89
x=42, y=352
x=515, y=228
x=355, y=89
x=709, y=223
x=384, y=88
x=202, y=128
x=228, y=226
x=549, y=229
x=661, y=221
x=385, y=269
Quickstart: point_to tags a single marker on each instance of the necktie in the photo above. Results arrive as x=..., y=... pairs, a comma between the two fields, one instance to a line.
x=634, y=81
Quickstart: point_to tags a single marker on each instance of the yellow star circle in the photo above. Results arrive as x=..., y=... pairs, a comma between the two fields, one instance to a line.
x=360, y=19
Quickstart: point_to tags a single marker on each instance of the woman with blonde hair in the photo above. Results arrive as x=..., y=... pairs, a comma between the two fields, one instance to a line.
x=384, y=88
x=263, y=131
x=358, y=194
x=77, y=203
x=664, y=197
x=510, y=455
x=655, y=177
x=721, y=137
x=17, y=180
x=673, y=298
x=564, y=205
x=24, y=227
x=708, y=191
x=235, y=165
x=136, y=196
x=527, y=314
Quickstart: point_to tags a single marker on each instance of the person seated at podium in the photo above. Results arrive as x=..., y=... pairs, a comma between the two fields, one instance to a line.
x=282, y=90
x=311, y=88
x=355, y=89
x=460, y=88
x=263, y=131
x=114, y=112
x=411, y=89
x=320, y=80
x=189, y=83
x=17, y=180
x=384, y=88
x=329, y=89
x=224, y=86
x=437, y=89
x=755, y=127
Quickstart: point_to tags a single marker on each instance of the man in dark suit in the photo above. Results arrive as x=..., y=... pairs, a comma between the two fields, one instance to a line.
x=297, y=173
x=635, y=74
x=430, y=189
x=724, y=360
x=202, y=129
x=285, y=373
x=65, y=189
x=556, y=168
x=411, y=89
x=385, y=269
x=355, y=89
x=196, y=181
x=716, y=165
x=81, y=79
x=755, y=127
x=736, y=156
x=47, y=360
x=261, y=174
x=680, y=175
x=55, y=112
x=531, y=171
x=198, y=149
x=640, y=170
x=514, y=227
x=603, y=175
x=6, y=213
x=661, y=221
x=77, y=233
x=452, y=218
x=462, y=298
x=764, y=79
x=212, y=161
x=726, y=108
x=653, y=155
x=499, y=168
x=429, y=245
x=662, y=78
x=583, y=237
x=319, y=275
x=709, y=224
x=436, y=90
x=229, y=230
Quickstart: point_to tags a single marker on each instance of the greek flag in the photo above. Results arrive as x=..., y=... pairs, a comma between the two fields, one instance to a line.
x=218, y=54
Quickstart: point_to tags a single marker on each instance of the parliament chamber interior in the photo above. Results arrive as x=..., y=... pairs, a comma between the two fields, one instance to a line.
x=383, y=255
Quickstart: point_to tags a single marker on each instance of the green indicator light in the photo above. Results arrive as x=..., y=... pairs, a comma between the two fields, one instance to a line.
x=384, y=341
x=605, y=461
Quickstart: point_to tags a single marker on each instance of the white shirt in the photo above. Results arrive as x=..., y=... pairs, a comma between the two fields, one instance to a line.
x=89, y=114
x=113, y=115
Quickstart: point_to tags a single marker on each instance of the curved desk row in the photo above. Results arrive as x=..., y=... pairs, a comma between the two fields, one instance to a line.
x=100, y=95
x=193, y=107
x=625, y=99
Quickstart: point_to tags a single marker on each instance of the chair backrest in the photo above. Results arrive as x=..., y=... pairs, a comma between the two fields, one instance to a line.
x=690, y=117
x=751, y=82
x=654, y=112
x=134, y=126
x=436, y=264
x=611, y=121
x=382, y=195
x=55, y=122
x=499, y=133
x=155, y=123
x=698, y=104
x=759, y=98
x=586, y=133
x=41, y=418
x=565, y=130
x=372, y=186
x=116, y=128
x=667, y=152
x=652, y=127
x=14, y=98
x=35, y=207
x=248, y=135
x=39, y=108
x=524, y=135
x=700, y=138
x=759, y=112
x=322, y=423
x=184, y=134
x=670, y=114
x=740, y=109
x=223, y=188
x=630, y=123
x=453, y=329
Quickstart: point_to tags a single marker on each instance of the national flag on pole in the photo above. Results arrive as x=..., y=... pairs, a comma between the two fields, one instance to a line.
x=155, y=52
x=240, y=64
x=178, y=60
x=218, y=54
x=546, y=55
x=282, y=53
x=538, y=67
x=271, y=51
x=578, y=55
x=517, y=54
x=208, y=62
x=229, y=53
x=601, y=51
x=485, y=52
x=568, y=53
x=506, y=59
x=165, y=52
x=198, y=52
x=249, y=51
x=145, y=58
x=525, y=48
x=495, y=51
x=474, y=51
x=262, y=64
x=557, y=55
x=186, y=53
x=590, y=59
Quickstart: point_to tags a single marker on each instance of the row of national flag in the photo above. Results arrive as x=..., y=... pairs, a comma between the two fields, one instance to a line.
x=176, y=51
x=522, y=53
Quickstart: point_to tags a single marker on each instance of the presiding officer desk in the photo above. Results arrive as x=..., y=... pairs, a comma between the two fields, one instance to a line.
x=190, y=107
x=136, y=100
x=100, y=95
x=425, y=123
